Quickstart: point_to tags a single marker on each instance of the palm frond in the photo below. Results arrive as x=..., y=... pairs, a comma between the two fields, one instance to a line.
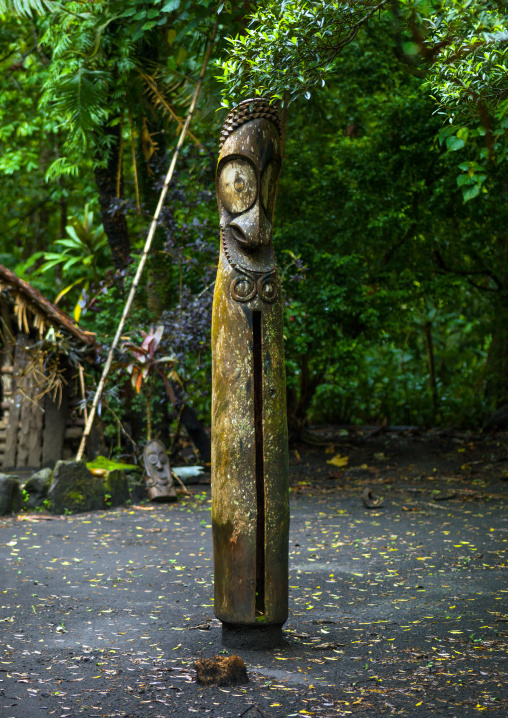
x=79, y=96
x=26, y=7
x=61, y=167
x=159, y=100
x=148, y=145
x=182, y=87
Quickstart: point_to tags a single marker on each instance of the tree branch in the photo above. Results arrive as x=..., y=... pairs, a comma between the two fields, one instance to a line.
x=438, y=258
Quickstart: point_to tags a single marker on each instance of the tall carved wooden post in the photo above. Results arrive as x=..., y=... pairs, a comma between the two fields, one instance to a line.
x=250, y=513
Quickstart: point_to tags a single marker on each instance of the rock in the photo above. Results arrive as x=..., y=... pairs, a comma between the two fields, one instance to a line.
x=116, y=488
x=221, y=671
x=37, y=488
x=74, y=488
x=370, y=501
x=137, y=487
x=10, y=495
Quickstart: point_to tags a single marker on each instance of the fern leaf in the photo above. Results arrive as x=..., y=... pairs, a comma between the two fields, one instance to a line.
x=25, y=8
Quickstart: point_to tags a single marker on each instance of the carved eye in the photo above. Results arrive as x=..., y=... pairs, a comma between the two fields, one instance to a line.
x=268, y=184
x=237, y=186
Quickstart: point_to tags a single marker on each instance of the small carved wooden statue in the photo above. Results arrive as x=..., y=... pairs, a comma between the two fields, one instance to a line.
x=250, y=514
x=159, y=482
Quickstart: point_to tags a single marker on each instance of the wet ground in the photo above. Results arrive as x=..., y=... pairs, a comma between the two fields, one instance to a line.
x=396, y=610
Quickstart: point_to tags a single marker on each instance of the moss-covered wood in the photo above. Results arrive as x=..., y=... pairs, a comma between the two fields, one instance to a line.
x=250, y=515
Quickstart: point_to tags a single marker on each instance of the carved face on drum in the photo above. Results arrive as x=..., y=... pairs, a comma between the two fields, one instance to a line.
x=246, y=184
x=247, y=173
x=158, y=479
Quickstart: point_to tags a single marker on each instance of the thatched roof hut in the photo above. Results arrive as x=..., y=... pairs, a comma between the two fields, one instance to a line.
x=42, y=356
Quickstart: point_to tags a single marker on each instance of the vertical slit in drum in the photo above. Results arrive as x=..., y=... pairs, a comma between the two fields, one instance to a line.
x=257, y=342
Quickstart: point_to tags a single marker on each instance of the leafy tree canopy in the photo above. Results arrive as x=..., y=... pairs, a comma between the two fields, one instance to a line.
x=290, y=49
x=468, y=79
x=290, y=46
x=395, y=290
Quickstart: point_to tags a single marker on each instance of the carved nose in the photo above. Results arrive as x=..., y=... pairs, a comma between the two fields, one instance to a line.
x=252, y=229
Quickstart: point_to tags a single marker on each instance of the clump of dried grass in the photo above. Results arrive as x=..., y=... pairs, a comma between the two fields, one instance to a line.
x=221, y=671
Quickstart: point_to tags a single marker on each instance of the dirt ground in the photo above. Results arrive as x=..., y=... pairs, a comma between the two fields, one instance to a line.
x=400, y=609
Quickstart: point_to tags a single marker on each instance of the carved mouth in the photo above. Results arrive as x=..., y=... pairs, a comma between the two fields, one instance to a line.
x=245, y=258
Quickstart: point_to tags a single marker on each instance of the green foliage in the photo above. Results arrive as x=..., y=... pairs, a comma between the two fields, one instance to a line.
x=29, y=210
x=84, y=258
x=109, y=57
x=24, y=7
x=290, y=46
x=378, y=250
x=468, y=79
x=471, y=67
x=368, y=202
x=290, y=50
x=25, y=496
x=105, y=464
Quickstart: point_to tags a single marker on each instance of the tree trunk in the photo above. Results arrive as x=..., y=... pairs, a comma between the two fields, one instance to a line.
x=298, y=402
x=497, y=361
x=496, y=388
x=189, y=419
x=113, y=217
x=427, y=328
x=197, y=433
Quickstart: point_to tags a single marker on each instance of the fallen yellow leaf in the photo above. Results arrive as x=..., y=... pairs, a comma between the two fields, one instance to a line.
x=338, y=460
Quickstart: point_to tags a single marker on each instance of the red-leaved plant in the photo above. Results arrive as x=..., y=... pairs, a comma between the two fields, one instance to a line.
x=145, y=365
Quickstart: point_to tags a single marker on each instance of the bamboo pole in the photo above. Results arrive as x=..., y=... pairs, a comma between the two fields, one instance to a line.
x=83, y=390
x=144, y=256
